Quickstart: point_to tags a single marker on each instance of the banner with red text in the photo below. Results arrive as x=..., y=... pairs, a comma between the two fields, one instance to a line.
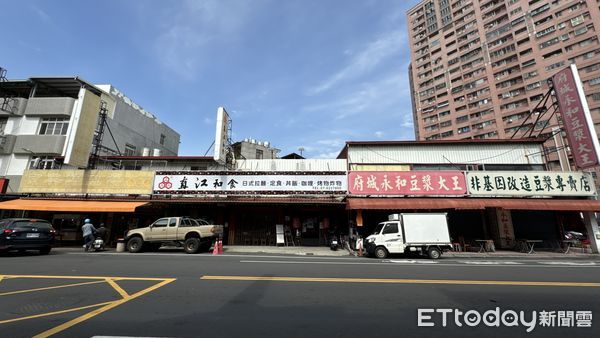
x=407, y=183
x=576, y=117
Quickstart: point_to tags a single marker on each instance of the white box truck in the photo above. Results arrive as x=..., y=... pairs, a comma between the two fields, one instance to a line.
x=422, y=233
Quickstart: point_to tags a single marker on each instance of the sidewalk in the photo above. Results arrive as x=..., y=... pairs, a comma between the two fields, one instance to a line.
x=573, y=254
x=286, y=250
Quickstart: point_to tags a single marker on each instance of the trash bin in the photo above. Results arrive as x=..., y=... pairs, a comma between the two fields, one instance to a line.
x=121, y=245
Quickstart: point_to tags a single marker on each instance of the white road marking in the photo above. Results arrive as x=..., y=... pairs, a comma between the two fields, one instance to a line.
x=570, y=263
x=413, y=265
x=308, y=262
x=329, y=260
x=492, y=262
x=181, y=254
x=412, y=261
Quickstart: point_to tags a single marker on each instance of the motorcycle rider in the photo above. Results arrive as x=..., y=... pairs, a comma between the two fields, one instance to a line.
x=88, y=234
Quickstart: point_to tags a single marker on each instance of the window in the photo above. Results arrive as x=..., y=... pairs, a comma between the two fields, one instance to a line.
x=161, y=223
x=129, y=150
x=578, y=20
x=463, y=118
x=594, y=81
x=464, y=130
x=3, y=125
x=162, y=139
x=173, y=222
x=54, y=126
x=391, y=228
x=259, y=154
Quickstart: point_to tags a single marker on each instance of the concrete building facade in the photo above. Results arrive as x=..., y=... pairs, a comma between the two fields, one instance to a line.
x=38, y=114
x=478, y=67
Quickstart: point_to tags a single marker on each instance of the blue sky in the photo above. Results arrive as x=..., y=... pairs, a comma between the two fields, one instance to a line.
x=297, y=73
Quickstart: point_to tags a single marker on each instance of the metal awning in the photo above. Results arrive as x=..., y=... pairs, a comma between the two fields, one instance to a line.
x=472, y=204
x=71, y=205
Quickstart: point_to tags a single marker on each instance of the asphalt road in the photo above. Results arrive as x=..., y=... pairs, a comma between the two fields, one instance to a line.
x=76, y=294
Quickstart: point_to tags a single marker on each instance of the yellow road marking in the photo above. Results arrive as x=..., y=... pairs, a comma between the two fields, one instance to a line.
x=117, y=288
x=105, y=308
x=54, y=313
x=398, y=281
x=84, y=277
x=49, y=288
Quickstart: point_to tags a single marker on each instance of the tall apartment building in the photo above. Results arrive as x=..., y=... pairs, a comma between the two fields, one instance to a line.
x=42, y=120
x=479, y=67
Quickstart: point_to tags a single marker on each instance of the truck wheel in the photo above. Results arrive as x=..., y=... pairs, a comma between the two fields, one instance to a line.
x=192, y=245
x=434, y=253
x=381, y=252
x=135, y=245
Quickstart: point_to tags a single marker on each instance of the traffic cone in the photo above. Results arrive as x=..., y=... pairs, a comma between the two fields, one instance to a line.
x=360, y=248
x=216, y=247
x=220, y=246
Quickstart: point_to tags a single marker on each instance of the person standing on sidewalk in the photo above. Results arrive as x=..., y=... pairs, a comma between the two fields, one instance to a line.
x=88, y=233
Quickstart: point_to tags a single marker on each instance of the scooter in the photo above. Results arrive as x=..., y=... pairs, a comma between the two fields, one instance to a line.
x=334, y=244
x=98, y=244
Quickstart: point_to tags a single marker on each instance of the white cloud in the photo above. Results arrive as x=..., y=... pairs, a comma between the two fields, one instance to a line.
x=41, y=13
x=379, y=134
x=377, y=51
x=195, y=31
x=407, y=120
x=371, y=97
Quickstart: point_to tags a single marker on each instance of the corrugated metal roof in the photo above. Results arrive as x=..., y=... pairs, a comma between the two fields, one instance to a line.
x=461, y=153
x=291, y=165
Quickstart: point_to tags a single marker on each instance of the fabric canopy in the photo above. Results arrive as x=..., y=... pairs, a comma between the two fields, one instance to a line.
x=70, y=205
x=472, y=203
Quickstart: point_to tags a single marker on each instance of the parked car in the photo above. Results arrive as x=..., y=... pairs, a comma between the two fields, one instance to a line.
x=183, y=231
x=26, y=234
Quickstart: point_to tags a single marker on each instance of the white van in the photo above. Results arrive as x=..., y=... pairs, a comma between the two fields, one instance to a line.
x=403, y=233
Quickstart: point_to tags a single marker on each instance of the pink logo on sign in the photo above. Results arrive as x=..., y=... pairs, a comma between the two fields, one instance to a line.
x=165, y=184
x=407, y=183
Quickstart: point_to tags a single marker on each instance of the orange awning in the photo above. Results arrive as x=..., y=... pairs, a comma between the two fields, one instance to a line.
x=69, y=205
x=472, y=204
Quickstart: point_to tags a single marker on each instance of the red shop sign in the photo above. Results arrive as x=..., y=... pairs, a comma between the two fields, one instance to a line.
x=407, y=183
x=576, y=117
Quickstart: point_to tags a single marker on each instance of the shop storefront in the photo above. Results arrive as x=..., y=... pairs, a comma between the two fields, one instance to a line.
x=500, y=206
x=251, y=205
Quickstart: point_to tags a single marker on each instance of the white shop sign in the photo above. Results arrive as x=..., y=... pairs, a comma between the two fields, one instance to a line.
x=165, y=183
x=531, y=183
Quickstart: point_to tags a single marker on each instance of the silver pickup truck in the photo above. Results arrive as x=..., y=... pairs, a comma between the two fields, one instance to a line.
x=194, y=235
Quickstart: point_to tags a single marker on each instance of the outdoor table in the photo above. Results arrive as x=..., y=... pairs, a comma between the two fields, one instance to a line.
x=482, y=243
x=569, y=243
x=529, y=244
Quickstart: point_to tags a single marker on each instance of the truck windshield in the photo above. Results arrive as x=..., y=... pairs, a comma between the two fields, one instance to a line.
x=378, y=228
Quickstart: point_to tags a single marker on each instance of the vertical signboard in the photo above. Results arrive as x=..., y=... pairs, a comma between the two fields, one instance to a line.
x=81, y=129
x=505, y=228
x=222, y=135
x=576, y=117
